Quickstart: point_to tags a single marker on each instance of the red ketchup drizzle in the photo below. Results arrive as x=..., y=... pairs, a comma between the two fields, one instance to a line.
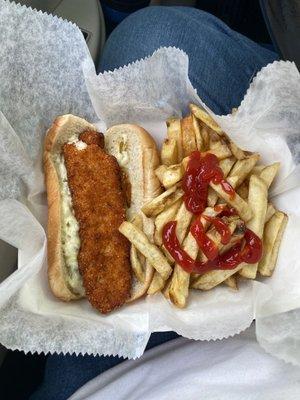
x=221, y=227
x=250, y=253
x=201, y=170
x=207, y=245
x=225, y=211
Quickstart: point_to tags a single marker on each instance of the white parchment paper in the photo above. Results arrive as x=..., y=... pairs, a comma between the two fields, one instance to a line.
x=145, y=92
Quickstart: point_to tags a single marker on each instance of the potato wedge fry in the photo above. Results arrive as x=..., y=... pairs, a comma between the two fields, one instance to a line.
x=179, y=287
x=160, y=221
x=149, y=250
x=174, y=132
x=169, y=152
x=136, y=264
x=232, y=282
x=242, y=168
x=198, y=136
x=159, y=172
x=204, y=117
x=163, y=201
x=269, y=172
x=270, y=212
x=188, y=136
x=258, y=201
x=157, y=284
x=273, y=234
x=241, y=206
x=172, y=175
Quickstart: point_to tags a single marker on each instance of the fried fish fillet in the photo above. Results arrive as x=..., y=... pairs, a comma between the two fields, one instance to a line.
x=94, y=179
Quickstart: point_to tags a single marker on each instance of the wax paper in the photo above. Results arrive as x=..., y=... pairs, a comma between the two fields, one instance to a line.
x=48, y=72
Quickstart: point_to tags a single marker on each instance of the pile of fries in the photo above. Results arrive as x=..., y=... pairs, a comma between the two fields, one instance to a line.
x=251, y=182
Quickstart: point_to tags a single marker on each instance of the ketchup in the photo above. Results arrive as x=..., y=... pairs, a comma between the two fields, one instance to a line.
x=224, y=210
x=173, y=246
x=247, y=250
x=207, y=245
x=201, y=170
x=221, y=227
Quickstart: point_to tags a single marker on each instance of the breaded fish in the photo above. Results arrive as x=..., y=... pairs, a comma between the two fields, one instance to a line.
x=94, y=179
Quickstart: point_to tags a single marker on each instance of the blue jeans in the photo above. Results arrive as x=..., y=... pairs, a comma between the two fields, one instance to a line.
x=222, y=64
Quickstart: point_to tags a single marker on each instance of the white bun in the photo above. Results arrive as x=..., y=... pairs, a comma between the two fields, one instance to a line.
x=139, y=163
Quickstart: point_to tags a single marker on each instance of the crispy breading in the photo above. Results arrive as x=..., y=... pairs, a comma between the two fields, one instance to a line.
x=99, y=206
x=92, y=137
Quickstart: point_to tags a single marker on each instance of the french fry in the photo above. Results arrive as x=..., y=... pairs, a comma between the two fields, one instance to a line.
x=137, y=220
x=172, y=175
x=149, y=250
x=136, y=264
x=157, y=284
x=161, y=220
x=257, y=169
x=205, y=134
x=232, y=282
x=225, y=165
x=163, y=201
x=213, y=278
x=174, y=132
x=204, y=117
x=214, y=235
x=273, y=234
x=183, y=218
x=137, y=260
x=238, y=154
x=243, y=190
x=258, y=201
x=242, y=168
x=270, y=212
x=179, y=286
x=167, y=255
x=242, y=208
x=185, y=162
x=188, y=136
x=159, y=172
x=269, y=172
x=198, y=136
x=218, y=147
x=169, y=152
x=166, y=289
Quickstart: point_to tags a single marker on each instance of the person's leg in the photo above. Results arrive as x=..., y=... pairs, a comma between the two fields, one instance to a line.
x=221, y=62
x=66, y=374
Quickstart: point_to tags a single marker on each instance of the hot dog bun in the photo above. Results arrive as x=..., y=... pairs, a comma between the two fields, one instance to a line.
x=136, y=154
